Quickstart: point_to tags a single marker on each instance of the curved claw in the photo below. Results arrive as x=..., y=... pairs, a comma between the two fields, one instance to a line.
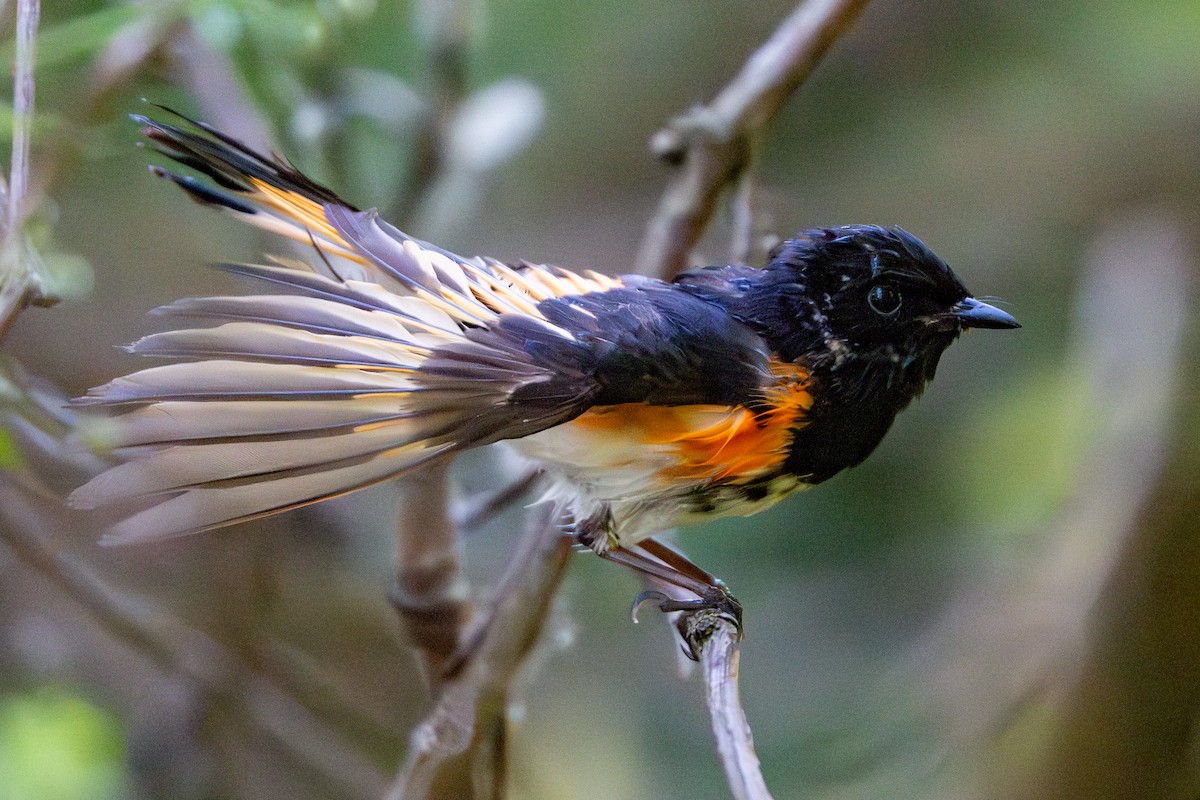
x=648, y=596
x=717, y=598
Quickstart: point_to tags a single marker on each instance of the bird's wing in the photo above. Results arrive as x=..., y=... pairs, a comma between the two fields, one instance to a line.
x=393, y=353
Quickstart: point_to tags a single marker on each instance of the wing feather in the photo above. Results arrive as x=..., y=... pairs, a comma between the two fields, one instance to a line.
x=384, y=353
x=190, y=466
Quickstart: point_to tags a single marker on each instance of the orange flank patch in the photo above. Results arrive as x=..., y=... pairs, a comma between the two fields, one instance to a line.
x=712, y=442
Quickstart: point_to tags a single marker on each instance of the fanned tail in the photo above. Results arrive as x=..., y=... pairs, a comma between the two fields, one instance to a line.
x=396, y=353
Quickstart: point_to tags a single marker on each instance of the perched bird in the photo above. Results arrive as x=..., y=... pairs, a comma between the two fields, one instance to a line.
x=645, y=404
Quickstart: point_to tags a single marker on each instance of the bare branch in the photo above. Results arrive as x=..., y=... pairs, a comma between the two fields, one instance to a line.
x=717, y=638
x=716, y=143
x=454, y=749
x=28, y=12
x=475, y=513
x=430, y=592
x=19, y=281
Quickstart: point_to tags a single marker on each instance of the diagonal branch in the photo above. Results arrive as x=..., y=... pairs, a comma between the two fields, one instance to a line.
x=715, y=144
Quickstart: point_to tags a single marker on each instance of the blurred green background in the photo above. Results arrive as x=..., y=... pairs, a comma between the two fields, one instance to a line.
x=1000, y=603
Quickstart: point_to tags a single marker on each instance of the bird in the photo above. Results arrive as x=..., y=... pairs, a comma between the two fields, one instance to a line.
x=643, y=404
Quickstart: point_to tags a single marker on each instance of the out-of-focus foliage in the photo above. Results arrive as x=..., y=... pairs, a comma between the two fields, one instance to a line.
x=56, y=746
x=1010, y=136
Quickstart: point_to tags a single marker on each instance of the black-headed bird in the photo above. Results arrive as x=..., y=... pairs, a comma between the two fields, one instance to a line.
x=645, y=404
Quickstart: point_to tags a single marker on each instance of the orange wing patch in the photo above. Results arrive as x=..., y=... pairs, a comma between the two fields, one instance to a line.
x=306, y=211
x=478, y=289
x=714, y=443
x=299, y=218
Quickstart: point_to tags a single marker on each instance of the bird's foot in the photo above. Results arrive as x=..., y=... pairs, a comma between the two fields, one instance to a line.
x=700, y=614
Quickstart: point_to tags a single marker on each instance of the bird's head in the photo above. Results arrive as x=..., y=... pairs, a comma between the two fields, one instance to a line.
x=870, y=299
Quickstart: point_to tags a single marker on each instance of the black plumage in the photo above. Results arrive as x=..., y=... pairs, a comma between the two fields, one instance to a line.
x=648, y=404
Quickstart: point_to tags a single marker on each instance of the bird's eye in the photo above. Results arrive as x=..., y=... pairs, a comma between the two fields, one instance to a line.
x=884, y=300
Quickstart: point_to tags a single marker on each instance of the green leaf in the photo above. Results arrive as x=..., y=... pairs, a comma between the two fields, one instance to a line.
x=56, y=746
x=76, y=37
x=10, y=456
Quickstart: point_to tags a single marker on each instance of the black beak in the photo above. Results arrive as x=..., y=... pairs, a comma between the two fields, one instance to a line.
x=973, y=314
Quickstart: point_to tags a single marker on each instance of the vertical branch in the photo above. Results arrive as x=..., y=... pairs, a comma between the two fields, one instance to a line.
x=446, y=29
x=717, y=143
x=19, y=283
x=458, y=751
x=430, y=591
x=719, y=659
x=28, y=12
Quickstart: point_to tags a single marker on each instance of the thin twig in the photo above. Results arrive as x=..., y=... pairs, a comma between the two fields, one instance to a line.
x=19, y=283
x=716, y=143
x=446, y=31
x=28, y=12
x=474, y=514
x=720, y=654
x=459, y=740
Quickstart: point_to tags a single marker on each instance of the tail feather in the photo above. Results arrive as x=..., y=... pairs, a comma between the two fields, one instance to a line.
x=183, y=421
x=227, y=380
x=296, y=313
x=263, y=191
x=347, y=373
x=256, y=341
x=214, y=506
x=187, y=467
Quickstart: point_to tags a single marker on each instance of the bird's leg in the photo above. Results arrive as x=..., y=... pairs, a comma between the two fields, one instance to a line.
x=711, y=603
x=672, y=557
x=594, y=532
x=711, y=592
x=661, y=562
